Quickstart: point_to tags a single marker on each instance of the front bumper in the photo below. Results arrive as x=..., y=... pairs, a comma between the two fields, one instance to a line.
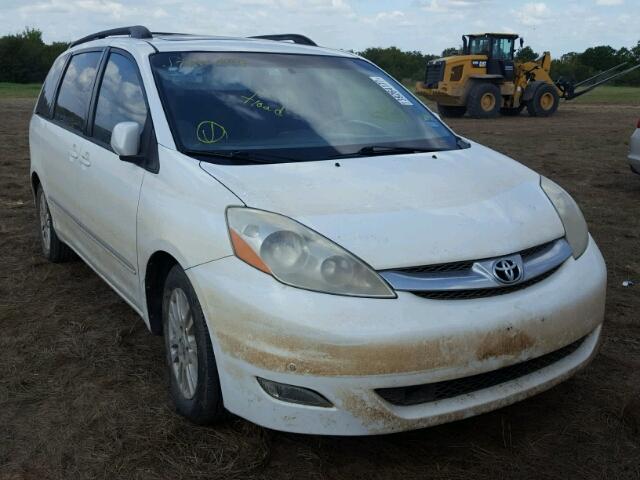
x=346, y=348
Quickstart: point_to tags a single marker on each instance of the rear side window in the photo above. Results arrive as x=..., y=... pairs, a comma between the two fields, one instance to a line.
x=48, y=90
x=75, y=91
x=121, y=98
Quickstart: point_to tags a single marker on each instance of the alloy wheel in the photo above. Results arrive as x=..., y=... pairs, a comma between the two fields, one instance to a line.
x=183, y=349
x=45, y=224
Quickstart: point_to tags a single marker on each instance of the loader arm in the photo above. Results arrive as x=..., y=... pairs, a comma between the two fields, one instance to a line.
x=568, y=89
x=531, y=74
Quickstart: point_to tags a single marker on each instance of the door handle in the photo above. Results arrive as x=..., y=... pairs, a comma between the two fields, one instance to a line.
x=84, y=159
x=73, y=155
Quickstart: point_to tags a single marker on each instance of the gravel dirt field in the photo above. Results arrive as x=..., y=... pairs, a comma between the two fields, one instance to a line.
x=82, y=385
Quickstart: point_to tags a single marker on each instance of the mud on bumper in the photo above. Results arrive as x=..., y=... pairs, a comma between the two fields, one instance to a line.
x=351, y=350
x=360, y=409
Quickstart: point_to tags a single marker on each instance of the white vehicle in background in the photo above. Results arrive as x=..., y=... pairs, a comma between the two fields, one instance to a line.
x=634, y=150
x=321, y=253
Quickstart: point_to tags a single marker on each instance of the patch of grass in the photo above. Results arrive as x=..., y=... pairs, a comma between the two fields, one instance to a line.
x=19, y=90
x=612, y=95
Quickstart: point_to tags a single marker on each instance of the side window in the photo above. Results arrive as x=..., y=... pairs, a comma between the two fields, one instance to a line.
x=121, y=97
x=46, y=96
x=75, y=92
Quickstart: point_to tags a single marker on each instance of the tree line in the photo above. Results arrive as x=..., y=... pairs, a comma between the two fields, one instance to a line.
x=25, y=58
x=576, y=66
x=573, y=66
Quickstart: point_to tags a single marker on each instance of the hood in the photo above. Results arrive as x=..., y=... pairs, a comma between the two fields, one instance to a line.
x=406, y=210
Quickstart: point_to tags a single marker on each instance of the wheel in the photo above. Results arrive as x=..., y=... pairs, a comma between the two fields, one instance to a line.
x=452, y=111
x=545, y=101
x=484, y=101
x=193, y=373
x=53, y=248
x=512, y=112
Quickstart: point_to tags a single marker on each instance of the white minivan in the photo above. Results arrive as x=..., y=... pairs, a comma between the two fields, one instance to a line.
x=321, y=253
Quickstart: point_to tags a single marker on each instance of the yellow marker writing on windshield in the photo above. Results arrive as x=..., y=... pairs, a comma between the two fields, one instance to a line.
x=210, y=132
x=256, y=102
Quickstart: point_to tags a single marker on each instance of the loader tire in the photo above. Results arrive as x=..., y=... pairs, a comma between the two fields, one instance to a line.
x=452, y=111
x=544, y=102
x=484, y=101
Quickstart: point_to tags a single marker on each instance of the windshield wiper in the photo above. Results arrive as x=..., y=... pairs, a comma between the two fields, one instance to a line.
x=242, y=155
x=390, y=150
x=371, y=150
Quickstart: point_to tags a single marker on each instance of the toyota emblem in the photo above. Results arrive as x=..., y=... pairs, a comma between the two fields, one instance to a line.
x=507, y=270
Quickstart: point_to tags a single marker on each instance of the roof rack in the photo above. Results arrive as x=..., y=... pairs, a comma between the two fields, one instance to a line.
x=136, y=31
x=289, y=37
x=169, y=34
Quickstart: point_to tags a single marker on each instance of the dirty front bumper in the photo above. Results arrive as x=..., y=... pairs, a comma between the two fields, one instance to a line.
x=348, y=349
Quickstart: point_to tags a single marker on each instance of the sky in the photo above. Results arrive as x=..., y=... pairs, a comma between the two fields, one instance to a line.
x=428, y=26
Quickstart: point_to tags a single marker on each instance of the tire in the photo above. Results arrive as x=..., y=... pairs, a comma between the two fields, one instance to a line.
x=195, y=391
x=512, y=112
x=544, y=102
x=53, y=248
x=484, y=101
x=452, y=111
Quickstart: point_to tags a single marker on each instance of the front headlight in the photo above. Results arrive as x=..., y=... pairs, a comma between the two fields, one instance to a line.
x=298, y=256
x=575, y=226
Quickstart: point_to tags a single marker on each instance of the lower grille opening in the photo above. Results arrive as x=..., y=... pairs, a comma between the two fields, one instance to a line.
x=432, y=392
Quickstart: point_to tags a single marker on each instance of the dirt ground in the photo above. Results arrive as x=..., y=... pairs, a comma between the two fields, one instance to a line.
x=82, y=386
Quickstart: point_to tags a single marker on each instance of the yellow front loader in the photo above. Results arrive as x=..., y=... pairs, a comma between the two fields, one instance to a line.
x=485, y=80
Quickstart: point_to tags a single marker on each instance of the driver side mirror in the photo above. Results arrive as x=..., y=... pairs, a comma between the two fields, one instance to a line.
x=521, y=42
x=125, y=139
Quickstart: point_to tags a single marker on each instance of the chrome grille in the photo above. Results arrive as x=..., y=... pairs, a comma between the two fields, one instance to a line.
x=442, y=267
x=468, y=264
x=478, y=278
x=529, y=252
x=482, y=292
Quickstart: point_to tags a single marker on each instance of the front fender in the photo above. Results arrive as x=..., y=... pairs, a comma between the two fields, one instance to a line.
x=182, y=212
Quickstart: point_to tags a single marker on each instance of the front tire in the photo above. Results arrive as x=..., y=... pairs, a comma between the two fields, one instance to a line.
x=452, y=111
x=53, y=248
x=484, y=101
x=545, y=101
x=193, y=373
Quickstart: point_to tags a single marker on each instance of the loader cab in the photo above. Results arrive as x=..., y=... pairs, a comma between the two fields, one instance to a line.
x=499, y=49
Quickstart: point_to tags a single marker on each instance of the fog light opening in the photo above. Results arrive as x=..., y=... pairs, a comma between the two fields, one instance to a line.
x=293, y=394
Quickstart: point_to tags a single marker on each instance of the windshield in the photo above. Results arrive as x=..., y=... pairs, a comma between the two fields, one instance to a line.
x=479, y=46
x=291, y=107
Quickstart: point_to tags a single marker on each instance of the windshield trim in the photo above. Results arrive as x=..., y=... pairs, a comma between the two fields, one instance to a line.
x=171, y=121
